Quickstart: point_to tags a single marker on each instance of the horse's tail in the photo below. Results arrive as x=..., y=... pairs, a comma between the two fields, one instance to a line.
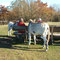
x=48, y=38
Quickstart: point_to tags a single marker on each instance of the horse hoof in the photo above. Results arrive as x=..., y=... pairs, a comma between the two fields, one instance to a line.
x=43, y=47
x=46, y=49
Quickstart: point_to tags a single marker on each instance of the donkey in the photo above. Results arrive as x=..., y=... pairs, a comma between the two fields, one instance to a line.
x=39, y=29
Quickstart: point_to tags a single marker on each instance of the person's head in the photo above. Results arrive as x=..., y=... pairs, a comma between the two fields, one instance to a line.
x=40, y=19
x=21, y=20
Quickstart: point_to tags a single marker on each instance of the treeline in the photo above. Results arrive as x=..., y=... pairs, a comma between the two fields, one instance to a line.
x=29, y=9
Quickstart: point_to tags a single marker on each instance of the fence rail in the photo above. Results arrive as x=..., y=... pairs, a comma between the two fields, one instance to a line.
x=54, y=28
x=3, y=22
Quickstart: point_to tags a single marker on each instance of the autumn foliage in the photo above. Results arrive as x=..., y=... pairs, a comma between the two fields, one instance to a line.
x=33, y=10
x=29, y=9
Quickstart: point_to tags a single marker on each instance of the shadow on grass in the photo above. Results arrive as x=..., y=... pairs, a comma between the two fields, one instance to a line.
x=8, y=41
x=28, y=48
x=5, y=43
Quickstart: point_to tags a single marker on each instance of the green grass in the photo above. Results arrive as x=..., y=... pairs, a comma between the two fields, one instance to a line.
x=3, y=29
x=26, y=52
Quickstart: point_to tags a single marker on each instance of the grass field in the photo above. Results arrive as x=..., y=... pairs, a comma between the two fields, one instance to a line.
x=26, y=52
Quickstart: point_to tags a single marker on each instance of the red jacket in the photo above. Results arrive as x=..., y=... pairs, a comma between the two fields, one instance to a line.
x=21, y=24
x=40, y=21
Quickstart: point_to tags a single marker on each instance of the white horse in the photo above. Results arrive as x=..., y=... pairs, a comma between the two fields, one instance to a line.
x=10, y=25
x=39, y=29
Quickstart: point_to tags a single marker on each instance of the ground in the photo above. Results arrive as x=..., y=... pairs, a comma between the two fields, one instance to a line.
x=26, y=52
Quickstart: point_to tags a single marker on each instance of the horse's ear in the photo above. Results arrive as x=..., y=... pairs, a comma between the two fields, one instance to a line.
x=34, y=20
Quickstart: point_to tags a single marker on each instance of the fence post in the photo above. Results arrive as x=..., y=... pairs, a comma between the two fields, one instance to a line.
x=52, y=33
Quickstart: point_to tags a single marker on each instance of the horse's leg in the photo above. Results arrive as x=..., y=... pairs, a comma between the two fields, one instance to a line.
x=45, y=43
x=29, y=38
x=47, y=39
x=34, y=40
x=8, y=32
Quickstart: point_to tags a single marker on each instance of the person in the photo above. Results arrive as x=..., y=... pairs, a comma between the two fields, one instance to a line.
x=21, y=36
x=21, y=23
x=32, y=21
x=40, y=20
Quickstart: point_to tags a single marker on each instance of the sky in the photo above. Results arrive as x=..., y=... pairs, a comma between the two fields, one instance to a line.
x=55, y=3
x=5, y=2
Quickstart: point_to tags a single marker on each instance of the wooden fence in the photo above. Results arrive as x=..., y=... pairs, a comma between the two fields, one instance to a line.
x=53, y=29
x=3, y=22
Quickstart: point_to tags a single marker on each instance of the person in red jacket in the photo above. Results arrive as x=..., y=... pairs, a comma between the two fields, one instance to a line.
x=21, y=23
x=39, y=20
